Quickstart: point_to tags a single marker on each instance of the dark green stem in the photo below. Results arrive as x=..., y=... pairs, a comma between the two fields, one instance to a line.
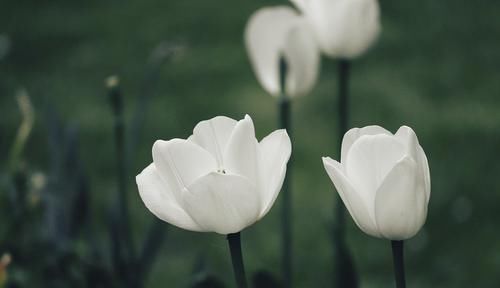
x=399, y=263
x=285, y=123
x=343, y=112
x=345, y=272
x=234, y=241
x=121, y=218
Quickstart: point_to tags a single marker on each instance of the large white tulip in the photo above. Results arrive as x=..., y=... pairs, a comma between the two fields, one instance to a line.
x=218, y=180
x=275, y=32
x=343, y=28
x=383, y=180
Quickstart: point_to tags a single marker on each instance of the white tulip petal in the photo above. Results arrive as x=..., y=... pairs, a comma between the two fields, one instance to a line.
x=424, y=165
x=302, y=58
x=400, y=208
x=180, y=162
x=408, y=136
x=222, y=203
x=343, y=28
x=353, y=134
x=240, y=156
x=213, y=135
x=356, y=206
x=369, y=161
x=274, y=32
x=159, y=198
x=274, y=152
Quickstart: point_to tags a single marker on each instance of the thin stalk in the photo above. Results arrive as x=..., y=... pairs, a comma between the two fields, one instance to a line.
x=285, y=123
x=399, y=264
x=126, y=252
x=345, y=272
x=234, y=241
x=343, y=112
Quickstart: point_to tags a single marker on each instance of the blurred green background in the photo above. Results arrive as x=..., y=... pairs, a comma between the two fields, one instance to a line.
x=434, y=68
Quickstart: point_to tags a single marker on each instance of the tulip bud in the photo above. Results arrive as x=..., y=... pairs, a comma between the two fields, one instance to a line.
x=275, y=32
x=383, y=180
x=343, y=28
x=218, y=180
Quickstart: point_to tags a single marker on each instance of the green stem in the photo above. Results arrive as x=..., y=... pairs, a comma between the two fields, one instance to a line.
x=285, y=123
x=343, y=112
x=121, y=218
x=399, y=265
x=234, y=241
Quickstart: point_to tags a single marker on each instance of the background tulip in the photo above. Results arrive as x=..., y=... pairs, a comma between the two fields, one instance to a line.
x=275, y=32
x=343, y=28
x=383, y=180
x=220, y=179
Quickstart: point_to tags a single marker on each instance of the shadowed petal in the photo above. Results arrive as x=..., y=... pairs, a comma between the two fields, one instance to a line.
x=369, y=161
x=400, y=204
x=240, y=156
x=357, y=207
x=213, y=135
x=353, y=134
x=159, y=198
x=274, y=153
x=180, y=162
x=222, y=203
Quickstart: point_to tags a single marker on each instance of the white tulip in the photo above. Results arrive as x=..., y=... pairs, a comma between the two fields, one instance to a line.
x=218, y=180
x=343, y=28
x=383, y=180
x=275, y=32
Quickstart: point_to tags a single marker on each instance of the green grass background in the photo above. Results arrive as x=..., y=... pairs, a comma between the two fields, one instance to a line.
x=434, y=68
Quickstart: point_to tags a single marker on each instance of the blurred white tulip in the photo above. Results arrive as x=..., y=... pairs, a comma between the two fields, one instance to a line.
x=343, y=28
x=275, y=32
x=383, y=180
x=218, y=180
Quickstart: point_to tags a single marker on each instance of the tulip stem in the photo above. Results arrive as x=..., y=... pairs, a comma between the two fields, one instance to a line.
x=284, y=123
x=399, y=265
x=125, y=250
x=343, y=112
x=234, y=241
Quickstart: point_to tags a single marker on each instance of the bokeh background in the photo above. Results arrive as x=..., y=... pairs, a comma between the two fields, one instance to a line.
x=434, y=68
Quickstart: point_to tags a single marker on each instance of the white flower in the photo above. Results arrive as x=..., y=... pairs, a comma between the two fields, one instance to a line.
x=275, y=32
x=343, y=28
x=218, y=180
x=383, y=180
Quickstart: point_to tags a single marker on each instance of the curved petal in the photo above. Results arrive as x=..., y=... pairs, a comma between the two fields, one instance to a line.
x=240, y=156
x=400, y=204
x=303, y=59
x=180, y=162
x=159, y=198
x=344, y=28
x=369, y=161
x=424, y=166
x=274, y=32
x=408, y=136
x=274, y=152
x=355, y=204
x=213, y=135
x=353, y=134
x=222, y=203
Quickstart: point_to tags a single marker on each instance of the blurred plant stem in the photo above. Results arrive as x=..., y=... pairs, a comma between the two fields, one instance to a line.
x=285, y=123
x=28, y=118
x=120, y=222
x=344, y=270
x=234, y=241
x=399, y=265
